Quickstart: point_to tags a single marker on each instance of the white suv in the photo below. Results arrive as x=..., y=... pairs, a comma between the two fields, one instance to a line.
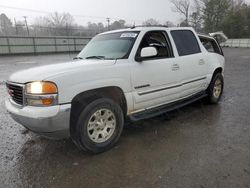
x=134, y=74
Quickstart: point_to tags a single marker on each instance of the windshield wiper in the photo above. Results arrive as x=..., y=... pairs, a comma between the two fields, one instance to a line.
x=95, y=57
x=77, y=58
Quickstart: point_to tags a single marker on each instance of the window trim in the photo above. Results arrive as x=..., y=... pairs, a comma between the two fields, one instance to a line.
x=200, y=51
x=169, y=47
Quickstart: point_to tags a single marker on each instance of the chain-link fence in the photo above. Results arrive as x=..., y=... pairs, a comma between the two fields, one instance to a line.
x=243, y=43
x=36, y=30
x=35, y=45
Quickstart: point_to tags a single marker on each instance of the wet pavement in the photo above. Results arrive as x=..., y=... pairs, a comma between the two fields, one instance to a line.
x=197, y=146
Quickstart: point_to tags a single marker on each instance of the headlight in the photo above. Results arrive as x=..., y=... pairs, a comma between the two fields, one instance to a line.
x=41, y=88
x=41, y=94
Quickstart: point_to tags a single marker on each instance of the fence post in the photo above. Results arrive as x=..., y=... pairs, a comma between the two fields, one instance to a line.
x=34, y=44
x=8, y=43
x=75, y=44
x=55, y=44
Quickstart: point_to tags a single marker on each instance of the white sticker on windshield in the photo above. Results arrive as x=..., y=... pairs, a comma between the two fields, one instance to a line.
x=128, y=35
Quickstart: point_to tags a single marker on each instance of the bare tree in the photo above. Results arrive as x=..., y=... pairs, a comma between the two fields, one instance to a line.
x=196, y=16
x=56, y=23
x=60, y=20
x=236, y=4
x=182, y=7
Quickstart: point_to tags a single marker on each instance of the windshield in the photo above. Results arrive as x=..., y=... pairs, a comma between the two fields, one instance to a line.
x=109, y=46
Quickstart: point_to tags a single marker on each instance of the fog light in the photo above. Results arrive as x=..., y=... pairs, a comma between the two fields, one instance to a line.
x=48, y=101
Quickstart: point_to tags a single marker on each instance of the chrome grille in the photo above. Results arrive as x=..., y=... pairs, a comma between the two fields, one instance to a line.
x=16, y=92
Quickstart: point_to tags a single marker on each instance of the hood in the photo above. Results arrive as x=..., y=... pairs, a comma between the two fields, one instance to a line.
x=47, y=71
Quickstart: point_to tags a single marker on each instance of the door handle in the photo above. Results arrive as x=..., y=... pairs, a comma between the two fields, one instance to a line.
x=201, y=62
x=175, y=67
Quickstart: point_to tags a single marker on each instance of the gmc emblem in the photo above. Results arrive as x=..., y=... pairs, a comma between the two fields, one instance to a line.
x=11, y=92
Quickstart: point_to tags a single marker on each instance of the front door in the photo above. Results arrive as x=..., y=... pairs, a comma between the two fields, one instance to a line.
x=155, y=80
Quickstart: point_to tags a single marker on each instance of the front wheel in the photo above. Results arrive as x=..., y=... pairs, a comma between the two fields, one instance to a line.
x=215, y=89
x=99, y=126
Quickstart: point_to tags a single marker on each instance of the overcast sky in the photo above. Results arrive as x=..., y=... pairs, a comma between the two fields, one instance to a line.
x=131, y=10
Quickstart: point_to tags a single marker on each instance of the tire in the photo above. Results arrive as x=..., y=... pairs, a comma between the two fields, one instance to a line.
x=99, y=126
x=215, y=89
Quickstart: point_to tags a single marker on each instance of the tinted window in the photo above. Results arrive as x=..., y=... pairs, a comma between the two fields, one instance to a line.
x=158, y=40
x=185, y=41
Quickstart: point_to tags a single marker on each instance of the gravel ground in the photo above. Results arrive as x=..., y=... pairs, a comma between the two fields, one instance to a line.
x=197, y=146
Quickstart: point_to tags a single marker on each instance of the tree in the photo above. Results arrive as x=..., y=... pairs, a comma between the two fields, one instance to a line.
x=56, y=23
x=236, y=4
x=5, y=25
x=182, y=7
x=151, y=22
x=60, y=20
x=237, y=22
x=196, y=16
x=169, y=24
x=118, y=24
x=95, y=28
x=214, y=13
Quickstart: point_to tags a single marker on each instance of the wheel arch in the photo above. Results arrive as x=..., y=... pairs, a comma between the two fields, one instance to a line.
x=81, y=100
x=217, y=70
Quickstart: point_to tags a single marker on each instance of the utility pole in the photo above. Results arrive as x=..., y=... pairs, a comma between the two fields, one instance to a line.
x=16, y=26
x=25, y=18
x=108, y=20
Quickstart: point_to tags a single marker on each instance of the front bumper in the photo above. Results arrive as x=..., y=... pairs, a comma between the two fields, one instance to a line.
x=51, y=121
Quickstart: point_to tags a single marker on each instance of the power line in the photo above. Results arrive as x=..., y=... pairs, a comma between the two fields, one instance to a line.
x=75, y=15
x=24, y=9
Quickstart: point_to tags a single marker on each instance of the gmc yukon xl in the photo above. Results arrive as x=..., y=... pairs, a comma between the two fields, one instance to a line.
x=133, y=74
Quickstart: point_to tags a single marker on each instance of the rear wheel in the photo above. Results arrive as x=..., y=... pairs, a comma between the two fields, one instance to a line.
x=215, y=88
x=99, y=126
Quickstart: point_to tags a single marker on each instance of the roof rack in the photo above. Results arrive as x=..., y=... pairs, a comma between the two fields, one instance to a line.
x=135, y=26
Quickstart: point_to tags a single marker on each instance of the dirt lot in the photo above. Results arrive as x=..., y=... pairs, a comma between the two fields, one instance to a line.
x=196, y=146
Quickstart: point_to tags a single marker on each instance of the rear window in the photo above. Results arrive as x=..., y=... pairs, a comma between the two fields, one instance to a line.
x=211, y=45
x=186, y=42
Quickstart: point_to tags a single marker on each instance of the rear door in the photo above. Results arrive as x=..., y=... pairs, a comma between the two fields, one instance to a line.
x=155, y=80
x=193, y=65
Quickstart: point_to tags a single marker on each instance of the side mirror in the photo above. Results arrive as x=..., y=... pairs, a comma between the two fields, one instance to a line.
x=147, y=52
